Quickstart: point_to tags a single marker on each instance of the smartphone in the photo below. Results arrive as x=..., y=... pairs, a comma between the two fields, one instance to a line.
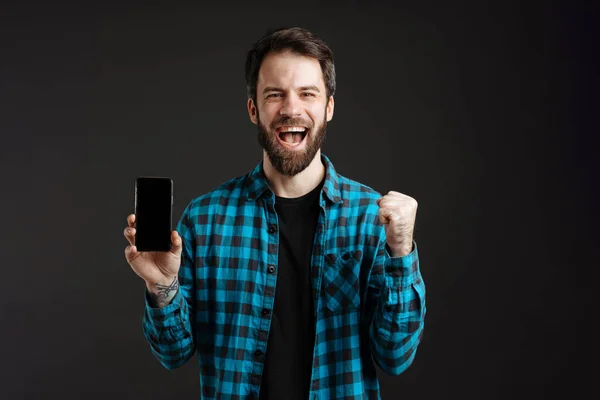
x=153, y=213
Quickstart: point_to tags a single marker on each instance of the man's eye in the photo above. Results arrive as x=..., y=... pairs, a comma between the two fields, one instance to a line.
x=273, y=95
x=306, y=94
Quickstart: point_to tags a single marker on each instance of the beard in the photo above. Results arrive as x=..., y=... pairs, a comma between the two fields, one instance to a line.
x=291, y=162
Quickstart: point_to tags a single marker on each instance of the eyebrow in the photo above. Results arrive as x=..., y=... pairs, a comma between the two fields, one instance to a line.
x=302, y=88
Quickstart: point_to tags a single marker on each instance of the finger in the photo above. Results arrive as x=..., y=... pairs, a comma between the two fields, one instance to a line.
x=390, y=203
x=131, y=253
x=131, y=220
x=129, y=235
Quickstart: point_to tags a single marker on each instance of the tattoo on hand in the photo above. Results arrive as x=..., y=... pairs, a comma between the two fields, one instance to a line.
x=165, y=293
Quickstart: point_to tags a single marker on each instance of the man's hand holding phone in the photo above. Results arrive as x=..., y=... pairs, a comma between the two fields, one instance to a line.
x=159, y=269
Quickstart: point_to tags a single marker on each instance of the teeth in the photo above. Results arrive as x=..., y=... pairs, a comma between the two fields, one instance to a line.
x=292, y=129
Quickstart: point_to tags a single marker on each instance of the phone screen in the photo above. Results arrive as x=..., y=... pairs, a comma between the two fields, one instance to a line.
x=153, y=213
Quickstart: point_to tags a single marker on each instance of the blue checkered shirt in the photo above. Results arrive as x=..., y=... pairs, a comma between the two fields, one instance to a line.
x=370, y=307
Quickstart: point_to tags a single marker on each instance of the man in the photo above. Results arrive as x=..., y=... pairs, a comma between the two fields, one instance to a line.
x=290, y=282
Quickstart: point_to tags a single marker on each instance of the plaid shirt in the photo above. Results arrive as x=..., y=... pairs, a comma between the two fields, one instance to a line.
x=370, y=307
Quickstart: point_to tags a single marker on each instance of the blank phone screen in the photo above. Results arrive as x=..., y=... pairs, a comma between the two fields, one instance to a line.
x=153, y=204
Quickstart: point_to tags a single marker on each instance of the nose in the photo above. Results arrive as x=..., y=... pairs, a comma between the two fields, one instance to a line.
x=291, y=106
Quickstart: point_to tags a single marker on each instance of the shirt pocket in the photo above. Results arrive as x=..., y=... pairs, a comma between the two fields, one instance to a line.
x=341, y=289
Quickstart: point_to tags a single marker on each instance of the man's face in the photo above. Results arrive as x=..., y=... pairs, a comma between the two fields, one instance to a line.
x=291, y=110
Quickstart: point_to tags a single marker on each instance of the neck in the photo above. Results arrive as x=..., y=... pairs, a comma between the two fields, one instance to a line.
x=298, y=185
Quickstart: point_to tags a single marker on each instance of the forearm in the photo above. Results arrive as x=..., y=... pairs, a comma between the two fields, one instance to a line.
x=169, y=332
x=397, y=327
x=398, y=313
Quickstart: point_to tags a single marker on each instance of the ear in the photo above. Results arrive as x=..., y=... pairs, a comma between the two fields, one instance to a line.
x=252, y=111
x=330, y=106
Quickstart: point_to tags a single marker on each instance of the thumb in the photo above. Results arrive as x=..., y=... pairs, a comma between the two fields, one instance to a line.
x=176, y=243
x=385, y=215
x=383, y=219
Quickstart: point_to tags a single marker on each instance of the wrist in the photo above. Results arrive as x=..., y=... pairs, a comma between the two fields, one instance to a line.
x=153, y=286
x=161, y=293
x=400, y=251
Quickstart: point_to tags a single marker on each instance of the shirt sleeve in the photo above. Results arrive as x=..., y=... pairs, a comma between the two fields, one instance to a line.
x=397, y=322
x=169, y=330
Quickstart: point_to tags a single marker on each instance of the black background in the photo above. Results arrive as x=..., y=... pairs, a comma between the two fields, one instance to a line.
x=481, y=111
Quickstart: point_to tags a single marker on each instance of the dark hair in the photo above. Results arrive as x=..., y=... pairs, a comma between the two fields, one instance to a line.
x=299, y=41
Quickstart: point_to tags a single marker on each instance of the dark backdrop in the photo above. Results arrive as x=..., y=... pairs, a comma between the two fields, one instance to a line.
x=481, y=111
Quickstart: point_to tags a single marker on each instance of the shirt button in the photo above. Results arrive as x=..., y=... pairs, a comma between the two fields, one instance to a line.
x=259, y=355
x=272, y=229
x=265, y=311
x=271, y=269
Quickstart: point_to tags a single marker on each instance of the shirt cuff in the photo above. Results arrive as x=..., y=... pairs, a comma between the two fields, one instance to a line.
x=402, y=271
x=167, y=316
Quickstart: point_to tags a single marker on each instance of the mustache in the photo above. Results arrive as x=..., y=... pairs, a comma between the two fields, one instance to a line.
x=291, y=122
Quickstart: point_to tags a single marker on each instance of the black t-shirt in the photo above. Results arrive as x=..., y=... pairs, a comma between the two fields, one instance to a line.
x=289, y=355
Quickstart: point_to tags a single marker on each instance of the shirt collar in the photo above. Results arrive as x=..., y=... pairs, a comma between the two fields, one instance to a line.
x=256, y=182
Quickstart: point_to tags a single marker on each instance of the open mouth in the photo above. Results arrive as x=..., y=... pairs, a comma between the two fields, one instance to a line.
x=291, y=136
